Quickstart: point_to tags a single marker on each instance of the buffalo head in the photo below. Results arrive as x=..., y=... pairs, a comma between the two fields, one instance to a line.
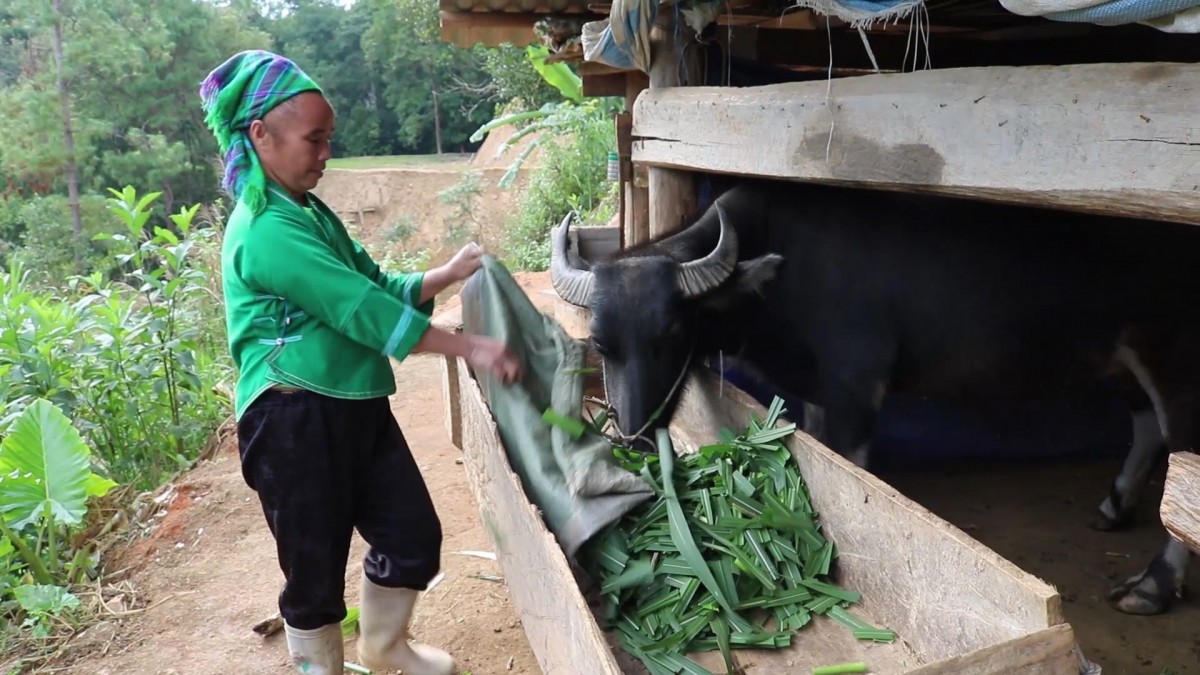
x=656, y=310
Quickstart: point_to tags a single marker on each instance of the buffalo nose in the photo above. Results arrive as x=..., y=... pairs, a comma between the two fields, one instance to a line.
x=630, y=415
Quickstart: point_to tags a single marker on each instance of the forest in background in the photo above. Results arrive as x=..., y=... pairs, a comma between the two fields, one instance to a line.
x=104, y=93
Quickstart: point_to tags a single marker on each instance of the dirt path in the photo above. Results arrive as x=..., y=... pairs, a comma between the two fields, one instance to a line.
x=209, y=574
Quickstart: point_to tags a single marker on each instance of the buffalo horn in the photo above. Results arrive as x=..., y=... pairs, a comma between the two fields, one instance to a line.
x=701, y=276
x=571, y=283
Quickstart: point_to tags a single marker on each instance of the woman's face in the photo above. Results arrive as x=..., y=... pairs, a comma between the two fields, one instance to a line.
x=292, y=141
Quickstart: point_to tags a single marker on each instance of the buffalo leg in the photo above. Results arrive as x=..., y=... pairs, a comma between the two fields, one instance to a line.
x=1168, y=374
x=848, y=432
x=1152, y=590
x=852, y=381
x=1117, y=510
x=848, y=426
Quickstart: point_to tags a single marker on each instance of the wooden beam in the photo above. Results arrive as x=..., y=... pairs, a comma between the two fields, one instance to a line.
x=604, y=85
x=672, y=192
x=1180, y=506
x=466, y=29
x=492, y=29
x=1102, y=138
x=637, y=219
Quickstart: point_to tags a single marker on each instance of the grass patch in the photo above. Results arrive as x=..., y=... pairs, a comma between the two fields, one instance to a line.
x=394, y=161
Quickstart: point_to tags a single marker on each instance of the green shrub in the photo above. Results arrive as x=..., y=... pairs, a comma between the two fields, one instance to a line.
x=462, y=223
x=132, y=362
x=574, y=141
x=103, y=381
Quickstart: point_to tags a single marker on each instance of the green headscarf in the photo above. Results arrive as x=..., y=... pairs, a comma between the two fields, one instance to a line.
x=243, y=89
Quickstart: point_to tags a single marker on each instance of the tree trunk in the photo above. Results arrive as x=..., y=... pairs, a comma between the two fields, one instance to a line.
x=68, y=138
x=437, y=122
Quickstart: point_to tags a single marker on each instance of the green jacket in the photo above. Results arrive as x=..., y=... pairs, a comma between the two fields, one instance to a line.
x=307, y=307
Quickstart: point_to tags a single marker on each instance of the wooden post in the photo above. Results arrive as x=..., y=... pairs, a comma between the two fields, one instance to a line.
x=636, y=223
x=1180, y=506
x=672, y=192
x=623, y=124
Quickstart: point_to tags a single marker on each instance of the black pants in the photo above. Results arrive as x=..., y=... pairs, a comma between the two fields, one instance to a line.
x=321, y=467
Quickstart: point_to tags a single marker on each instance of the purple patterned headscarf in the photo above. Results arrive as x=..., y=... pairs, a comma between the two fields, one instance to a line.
x=243, y=89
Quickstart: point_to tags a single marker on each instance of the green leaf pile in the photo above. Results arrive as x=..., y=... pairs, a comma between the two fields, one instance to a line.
x=729, y=555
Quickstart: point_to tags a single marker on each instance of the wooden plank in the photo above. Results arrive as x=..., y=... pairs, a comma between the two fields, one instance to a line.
x=1180, y=506
x=803, y=19
x=623, y=123
x=573, y=318
x=467, y=29
x=610, y=84
x=1047, y=652
x=453, y=401
x=637, y=222
x=672, y=193
x=561, y=629
x=1112, y=138
x=451, y=320
x=944, y=593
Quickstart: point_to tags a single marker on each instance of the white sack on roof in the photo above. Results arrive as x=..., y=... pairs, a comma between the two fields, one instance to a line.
x=623, y=39
x=1170, y=16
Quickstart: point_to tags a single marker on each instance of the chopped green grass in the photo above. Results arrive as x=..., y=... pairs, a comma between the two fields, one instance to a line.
x=729, y=555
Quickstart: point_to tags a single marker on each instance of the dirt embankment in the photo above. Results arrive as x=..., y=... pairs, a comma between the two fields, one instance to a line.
x=436, y=207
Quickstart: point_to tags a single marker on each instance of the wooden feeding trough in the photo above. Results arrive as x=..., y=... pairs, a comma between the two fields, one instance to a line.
x=957, y=607
x=1180, y=509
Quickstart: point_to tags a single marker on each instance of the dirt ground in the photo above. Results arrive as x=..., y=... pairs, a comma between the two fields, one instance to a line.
x=207, y=574
x=1037, y=518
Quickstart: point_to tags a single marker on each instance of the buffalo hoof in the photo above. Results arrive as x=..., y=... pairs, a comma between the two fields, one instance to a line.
x=1145, y=594
x=1103, y=523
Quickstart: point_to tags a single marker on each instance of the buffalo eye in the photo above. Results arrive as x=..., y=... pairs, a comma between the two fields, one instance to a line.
x=600, y=347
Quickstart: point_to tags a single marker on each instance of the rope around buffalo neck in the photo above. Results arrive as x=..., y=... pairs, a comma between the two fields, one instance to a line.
x=630, y=439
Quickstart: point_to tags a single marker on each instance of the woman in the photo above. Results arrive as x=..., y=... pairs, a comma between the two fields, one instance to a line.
x=312, y=322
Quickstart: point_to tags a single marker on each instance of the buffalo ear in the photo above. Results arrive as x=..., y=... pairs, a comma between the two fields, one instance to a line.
x=749, y=278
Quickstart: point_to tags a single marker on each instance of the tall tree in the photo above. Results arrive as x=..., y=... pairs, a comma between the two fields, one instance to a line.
x=72, y=167
x=422, y=75
x=325, y=39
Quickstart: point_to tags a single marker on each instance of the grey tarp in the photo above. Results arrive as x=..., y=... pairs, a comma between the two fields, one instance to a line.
x=575, y=482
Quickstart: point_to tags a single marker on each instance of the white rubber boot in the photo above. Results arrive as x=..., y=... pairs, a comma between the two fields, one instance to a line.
x=384, y=615
x=319, y=651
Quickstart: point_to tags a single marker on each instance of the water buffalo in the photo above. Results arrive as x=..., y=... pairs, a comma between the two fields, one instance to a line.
x=841, y=297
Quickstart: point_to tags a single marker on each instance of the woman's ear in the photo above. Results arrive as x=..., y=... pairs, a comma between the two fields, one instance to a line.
x=258, y=132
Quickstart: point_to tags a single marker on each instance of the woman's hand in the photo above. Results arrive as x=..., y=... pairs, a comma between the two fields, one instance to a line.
x=492, y=355
x=462, y=265
x=482, y=353
x=465, y=262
